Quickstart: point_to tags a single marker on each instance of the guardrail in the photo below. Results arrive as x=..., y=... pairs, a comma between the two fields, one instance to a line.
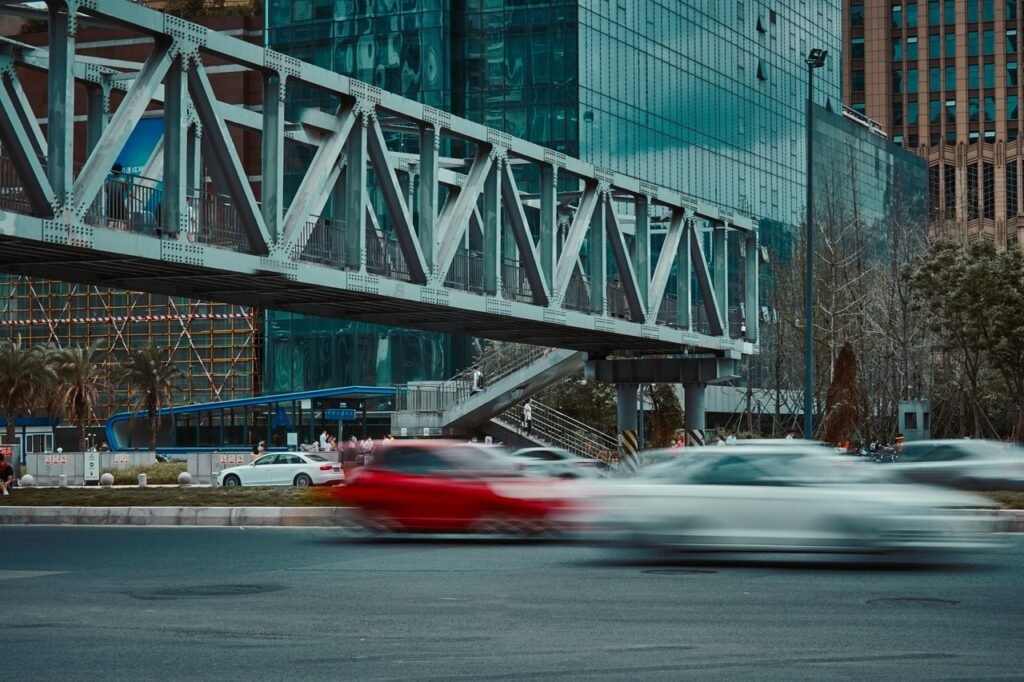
x=560, y=430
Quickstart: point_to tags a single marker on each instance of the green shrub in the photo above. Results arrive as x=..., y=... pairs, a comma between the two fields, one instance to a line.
x=156, y=473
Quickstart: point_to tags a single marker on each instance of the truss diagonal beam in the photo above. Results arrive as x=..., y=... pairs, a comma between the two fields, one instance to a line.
x=225, y=164
x=387, y=183
x=627, y=276
x=314, y=191
x=121, y=125
x=524, y=240
x=456, y=220
x=666, y=259
x=574, y=240
x=705, y=284
x=17, y=142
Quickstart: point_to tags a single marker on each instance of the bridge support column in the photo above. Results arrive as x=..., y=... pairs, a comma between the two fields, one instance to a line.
x=625, y=408
x=693, y=412
x=61, y=103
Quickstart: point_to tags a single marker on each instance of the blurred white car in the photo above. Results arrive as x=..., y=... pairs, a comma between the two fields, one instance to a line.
x=965, y=464
x=797, y=499
x=301, y=469
x=556, y=462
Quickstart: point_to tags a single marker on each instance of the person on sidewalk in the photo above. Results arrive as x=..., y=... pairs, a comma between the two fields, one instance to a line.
x=478, y=381
x=528, y=416
x=6, y=475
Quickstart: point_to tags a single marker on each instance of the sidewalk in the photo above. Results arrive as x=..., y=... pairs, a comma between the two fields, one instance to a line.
x=1012, y=519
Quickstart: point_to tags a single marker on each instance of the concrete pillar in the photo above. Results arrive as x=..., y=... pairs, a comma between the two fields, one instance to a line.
x=625, y=409
x=693, y=415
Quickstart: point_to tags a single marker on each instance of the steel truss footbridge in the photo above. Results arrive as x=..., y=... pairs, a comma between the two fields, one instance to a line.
x=404, y=215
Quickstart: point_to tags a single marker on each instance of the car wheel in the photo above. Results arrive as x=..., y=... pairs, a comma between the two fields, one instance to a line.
x=232, y=481
x=303, y=481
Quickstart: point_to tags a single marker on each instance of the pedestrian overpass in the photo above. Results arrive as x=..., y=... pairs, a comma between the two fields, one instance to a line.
x=404, y=215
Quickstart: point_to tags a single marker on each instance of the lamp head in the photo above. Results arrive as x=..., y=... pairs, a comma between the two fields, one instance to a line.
x=816, y=58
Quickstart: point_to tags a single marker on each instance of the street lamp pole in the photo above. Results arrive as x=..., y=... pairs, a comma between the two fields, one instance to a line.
x=815, y=59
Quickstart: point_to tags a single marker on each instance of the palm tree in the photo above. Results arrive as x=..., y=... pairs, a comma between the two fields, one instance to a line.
x=76, y=392
x=25, y=379
x=150, y=373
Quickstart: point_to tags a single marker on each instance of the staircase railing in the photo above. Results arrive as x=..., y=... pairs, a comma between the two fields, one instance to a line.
x=559, y=429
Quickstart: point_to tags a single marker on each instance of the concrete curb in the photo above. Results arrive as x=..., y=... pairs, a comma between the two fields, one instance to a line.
x=1011, y=520
x=177, y=516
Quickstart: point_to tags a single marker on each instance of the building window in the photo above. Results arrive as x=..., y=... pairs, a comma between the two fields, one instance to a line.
x=1011, y=74
x=934, y=46
x=989, y=39
x=950, y=18
x=857, y=48
x=858, y=81
x=935, y=111
x=1011, y=108
x=912, y=49
x=990, y=109
x=933, y=13
x=949, y=188
x=951, y=111
x=912, y=81
x=897, y=140
x=897, y=113
x=913, y=141
x=990, y=75
x=1011, y=189
x=856, y=15
x=912, y=113
x=1011, y=9
x=988, y=12
x=740, y=13
x=950, y=46
x=988, y=185
x=972, y=109
x=762, y=70
x=935, y=79
x=972, y=192
x=897, y=16
x=897, y=82
x=972, y=9
x=1011, y=134
x=1011, y=41
x=933, y=191
x=972, y=43
x=934, y=137
x=912, y=15
x=950, y=137
x=972, y=77
x=897, y=49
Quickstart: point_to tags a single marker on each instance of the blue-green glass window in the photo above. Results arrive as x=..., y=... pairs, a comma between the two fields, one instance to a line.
x=860, y=107
x=951, y=111
x=1011, y=74
x=1011, y=188
x=912, y=15
x=897, y=49
x=950, y=46
x=912, y=81
x=933, y=13
x=990, y=75
x=988, y=10
x=934, y=111
x=972, y=43
x=912, y=49
x=934, y=46
x=950, y=12
x=1011, y=41
x=1011, y=107
x=990, y=108
x=972, y=9
x=912, y=113
x=990, y=42
x=972, y=77
x=897, y=113
x=1011, y=9
x=897, y=81
x=857, y=48
x=950, y=79
x=972, y=109
x=935, y=79
x=856, y=15
x=858, y=81
x=897, y=16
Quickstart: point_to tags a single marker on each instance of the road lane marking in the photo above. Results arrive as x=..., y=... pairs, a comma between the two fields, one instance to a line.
x=14, y=575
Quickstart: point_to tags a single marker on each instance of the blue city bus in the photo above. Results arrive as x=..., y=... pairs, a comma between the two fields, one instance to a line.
x=236, y=425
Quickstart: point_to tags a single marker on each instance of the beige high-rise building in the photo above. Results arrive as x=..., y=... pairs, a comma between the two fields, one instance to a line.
x=942, y=77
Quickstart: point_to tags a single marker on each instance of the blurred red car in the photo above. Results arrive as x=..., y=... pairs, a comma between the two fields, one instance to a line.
x=454, y=487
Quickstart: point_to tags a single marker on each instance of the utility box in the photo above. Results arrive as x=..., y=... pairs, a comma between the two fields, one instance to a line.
x=915, y=420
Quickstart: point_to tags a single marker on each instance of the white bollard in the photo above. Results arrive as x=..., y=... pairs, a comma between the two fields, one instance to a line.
x=27, y=481
x=63, y=480
x=184, y=479
x=107, y=479
x=142, y=480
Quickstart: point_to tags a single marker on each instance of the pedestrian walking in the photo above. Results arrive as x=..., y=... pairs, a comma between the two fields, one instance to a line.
x=323, y=441
x=6, y=475
x=528, y=416
x=478, y=381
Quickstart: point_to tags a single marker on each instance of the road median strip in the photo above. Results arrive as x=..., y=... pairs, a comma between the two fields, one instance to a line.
x=176, y=516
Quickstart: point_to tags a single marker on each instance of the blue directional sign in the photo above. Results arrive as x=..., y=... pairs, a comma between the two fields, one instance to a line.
x=339, y=415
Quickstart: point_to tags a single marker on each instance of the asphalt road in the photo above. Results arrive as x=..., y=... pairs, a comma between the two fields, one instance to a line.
x=297, y=604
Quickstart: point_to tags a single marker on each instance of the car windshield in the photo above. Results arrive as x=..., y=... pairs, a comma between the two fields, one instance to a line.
x=772, y=468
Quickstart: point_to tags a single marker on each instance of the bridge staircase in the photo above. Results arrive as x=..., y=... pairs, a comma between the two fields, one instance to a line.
x=552, y=428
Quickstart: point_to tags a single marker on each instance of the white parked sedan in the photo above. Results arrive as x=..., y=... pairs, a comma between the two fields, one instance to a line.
x=300, y=469
x=556, y=462
x=777, y=499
